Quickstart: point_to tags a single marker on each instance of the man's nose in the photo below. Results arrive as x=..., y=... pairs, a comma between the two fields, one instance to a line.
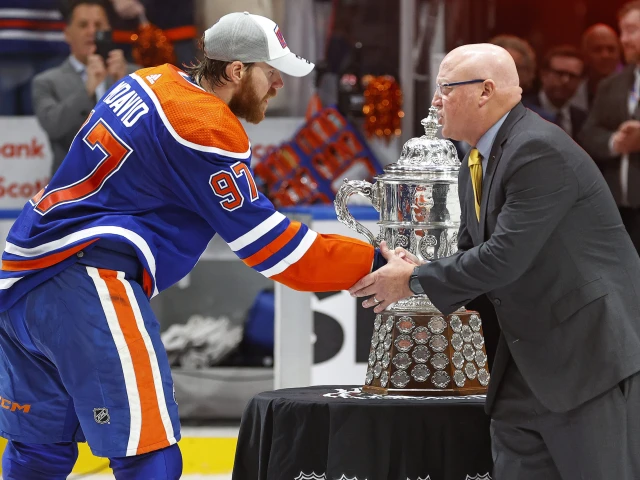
x=91, y=30
x=278, y=82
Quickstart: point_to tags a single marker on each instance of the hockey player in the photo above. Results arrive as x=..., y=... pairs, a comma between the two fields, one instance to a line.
x=160, y=166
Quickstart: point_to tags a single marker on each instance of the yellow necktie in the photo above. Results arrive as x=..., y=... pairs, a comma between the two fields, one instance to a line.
x=475, y=167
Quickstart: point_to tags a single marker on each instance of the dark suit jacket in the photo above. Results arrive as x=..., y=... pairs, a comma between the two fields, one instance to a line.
x=61, y=103
x=610, y=108
x=577, y=115
x=551, y=253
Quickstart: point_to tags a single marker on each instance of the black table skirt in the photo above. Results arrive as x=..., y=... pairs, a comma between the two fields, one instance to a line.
x=333, y=432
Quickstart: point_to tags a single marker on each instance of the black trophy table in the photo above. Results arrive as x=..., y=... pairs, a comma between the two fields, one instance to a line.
x=336, y=432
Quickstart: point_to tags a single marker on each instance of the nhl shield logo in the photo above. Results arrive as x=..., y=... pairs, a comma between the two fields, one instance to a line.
x=486, y=476
x=101, y=415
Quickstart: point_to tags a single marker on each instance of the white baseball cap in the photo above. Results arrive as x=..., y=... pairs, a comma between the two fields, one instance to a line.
x=252, y=38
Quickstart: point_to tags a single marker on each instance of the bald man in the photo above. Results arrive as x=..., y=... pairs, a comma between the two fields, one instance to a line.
x=541, y=236
x=601, y=53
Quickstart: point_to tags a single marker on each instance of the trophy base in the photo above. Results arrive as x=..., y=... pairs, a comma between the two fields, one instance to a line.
x=425, y=392
x=424, y=353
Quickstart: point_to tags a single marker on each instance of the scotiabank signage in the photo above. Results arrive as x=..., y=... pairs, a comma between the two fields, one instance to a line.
x=25, y=160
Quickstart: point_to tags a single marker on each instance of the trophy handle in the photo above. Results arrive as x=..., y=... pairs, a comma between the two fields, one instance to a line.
x=365, y=189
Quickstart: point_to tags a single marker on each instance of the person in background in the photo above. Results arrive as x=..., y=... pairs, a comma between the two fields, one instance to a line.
x=525, y=60
x=31, y=41
x=601, y=54
x=611, y=134
x=560, y=74
x=524, y=57
x=63, y=96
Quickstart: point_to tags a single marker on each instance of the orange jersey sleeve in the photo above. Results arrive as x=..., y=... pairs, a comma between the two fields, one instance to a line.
x=332, y=262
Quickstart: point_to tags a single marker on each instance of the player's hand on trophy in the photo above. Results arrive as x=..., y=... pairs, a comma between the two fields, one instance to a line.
x=386, y=285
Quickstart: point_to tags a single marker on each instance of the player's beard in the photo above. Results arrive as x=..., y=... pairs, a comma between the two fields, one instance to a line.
x=246, y=103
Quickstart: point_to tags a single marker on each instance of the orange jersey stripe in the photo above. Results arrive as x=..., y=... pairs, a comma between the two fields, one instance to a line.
x=123, y=36
x=43, y=262
x=265, y=252
x=152, y=433
x=32, y=24
x=333, y=262
x=173, y=34
x=181, y=33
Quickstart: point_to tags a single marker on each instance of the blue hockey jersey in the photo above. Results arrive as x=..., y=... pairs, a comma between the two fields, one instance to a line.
x=162, y=166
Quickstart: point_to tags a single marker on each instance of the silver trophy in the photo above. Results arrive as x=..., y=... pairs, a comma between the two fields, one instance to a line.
x=415, y=350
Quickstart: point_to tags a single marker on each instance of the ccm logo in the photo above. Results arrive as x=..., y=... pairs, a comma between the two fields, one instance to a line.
x=13, y=406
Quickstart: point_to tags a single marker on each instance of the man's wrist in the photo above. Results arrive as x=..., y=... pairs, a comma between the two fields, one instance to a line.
x=414, y=282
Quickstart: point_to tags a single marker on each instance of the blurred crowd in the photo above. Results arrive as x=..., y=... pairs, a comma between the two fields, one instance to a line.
x=593, y=93
x=56, y=61
x=38, y=35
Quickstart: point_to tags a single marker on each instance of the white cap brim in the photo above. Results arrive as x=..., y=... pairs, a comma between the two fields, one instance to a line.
x=292, y=65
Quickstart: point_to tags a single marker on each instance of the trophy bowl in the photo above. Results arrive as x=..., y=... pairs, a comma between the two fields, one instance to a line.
x=415, y=350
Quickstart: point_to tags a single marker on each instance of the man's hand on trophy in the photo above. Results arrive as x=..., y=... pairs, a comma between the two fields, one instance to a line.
x=386, y=285
x=407, y=256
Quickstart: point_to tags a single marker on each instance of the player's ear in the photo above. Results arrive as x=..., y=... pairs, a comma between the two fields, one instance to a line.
x=234, y=71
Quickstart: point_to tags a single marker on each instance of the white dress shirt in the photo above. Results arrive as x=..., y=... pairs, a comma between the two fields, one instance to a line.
x=485, y=144
x=634, y=95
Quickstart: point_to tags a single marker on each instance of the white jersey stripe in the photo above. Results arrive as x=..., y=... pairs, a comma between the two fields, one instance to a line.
x=6, y=283
x=178, y=138
x=92, y=232
x=153, y=360
x=131, y=386
x=29, y=35
x=37, y=14
x=257, y=232
x=294, y=256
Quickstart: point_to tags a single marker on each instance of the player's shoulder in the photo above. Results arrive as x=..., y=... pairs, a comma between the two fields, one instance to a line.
x=197, y=119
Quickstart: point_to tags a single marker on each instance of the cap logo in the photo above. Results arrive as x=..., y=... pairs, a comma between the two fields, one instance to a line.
x=281, y=39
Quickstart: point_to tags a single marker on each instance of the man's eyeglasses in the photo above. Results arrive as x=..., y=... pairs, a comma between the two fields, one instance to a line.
x=563, y=73
x=444, y=89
